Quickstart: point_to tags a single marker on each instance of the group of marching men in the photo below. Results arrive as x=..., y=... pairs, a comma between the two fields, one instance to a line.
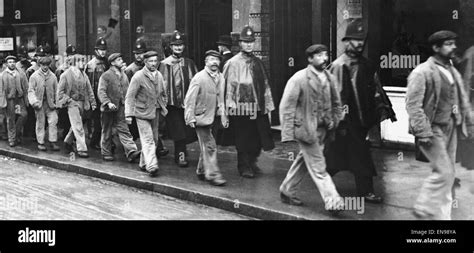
x=327, y=109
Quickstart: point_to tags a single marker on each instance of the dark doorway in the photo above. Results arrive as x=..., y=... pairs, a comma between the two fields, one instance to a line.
x=213, y=18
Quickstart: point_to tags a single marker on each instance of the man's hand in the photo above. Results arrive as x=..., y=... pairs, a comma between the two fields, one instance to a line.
x=425, y=142
x=331, y=125
x=192, y=125
x=93, y=107
x=128, y=120
x=112, y=107
x=225, y=121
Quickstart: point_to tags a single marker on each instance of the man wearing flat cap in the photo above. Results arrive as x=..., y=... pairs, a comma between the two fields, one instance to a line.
x=224, y=44
x=42, y=97
x=23, y=63
x=94, y=70
x=439, y=113
x=75, y=93
x=313, y=87
x=249, y=102
x=204, y=101
x=177, y=72
x=365, y=106
x=14, y=99
x=113, y=86
x=146, y=101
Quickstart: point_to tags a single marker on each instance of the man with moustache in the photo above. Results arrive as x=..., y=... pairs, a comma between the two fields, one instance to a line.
x=94, y=70
x=14, y=99
x=366, y=104
x=75, y=93
x=311, y=101
x=439, y=113
x=113, y=86
x=247, y=87
x=42, y=93
x=146, y=101
x=177, y=72
x=204, y=101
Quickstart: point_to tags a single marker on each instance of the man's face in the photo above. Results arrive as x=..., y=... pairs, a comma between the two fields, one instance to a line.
x=355, y=46
x=100, y=31
x=79, y=62
x=222, y=49
x=447, y=49
x=152, y=63
x=177, y=49
x=11, y=64
x=44, y=67
x=140, y=30
x=139, y=57
x=247, y=46
x=101, y=53
x=319, y=60
x=118, y=62
x=213, y=63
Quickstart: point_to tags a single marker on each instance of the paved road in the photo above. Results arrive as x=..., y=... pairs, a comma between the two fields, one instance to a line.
x=32, y=192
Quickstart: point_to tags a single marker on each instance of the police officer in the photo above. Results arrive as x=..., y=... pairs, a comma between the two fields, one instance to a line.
x=94, y=70
x=249, y=102
x=177, y=72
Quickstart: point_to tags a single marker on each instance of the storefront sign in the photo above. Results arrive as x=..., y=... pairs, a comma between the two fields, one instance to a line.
x=354, y=8
x=6, y=44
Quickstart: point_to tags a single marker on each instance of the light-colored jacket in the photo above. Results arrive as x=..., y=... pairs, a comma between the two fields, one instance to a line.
x=69, y=91
x=300, y=110
x=145, y=94
x=238, y=75
x=424, y=88
x=205, y=96
x=8, y=91
x=38, y=85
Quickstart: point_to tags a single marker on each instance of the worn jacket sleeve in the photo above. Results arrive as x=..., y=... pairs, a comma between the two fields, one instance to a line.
x=231, y=79
x=163, y=99
x=3, y=96
x=130, y=98
x=190, y=102
x=32, y=93
x=288, y=105
x=102, y=91
x=63, y=97
x=420, y=125
x=24, y=86
x=91, y=94
x=336, y=103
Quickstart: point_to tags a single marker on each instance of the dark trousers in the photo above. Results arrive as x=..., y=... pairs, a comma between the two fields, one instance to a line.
x=97, y=127
x=364, y=184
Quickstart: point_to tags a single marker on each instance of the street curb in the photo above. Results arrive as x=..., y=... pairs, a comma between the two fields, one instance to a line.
x=234, y=206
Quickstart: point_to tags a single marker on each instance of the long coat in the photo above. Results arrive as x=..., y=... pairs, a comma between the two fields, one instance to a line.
x=301, y=110
x=38, y=85
x=365, y=110
x=240, y=89
x=204, y=98
x=145, y=95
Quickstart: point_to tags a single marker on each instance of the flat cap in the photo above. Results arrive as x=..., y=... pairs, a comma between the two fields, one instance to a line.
x=316, y=49
x=213, y=53
x=441, y=36
x=10, y=57
x=45, y=61
x=114, y=57
x=150, y=54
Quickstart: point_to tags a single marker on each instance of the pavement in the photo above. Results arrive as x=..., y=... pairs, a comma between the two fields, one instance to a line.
x=35, y=192
x=399, y=180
